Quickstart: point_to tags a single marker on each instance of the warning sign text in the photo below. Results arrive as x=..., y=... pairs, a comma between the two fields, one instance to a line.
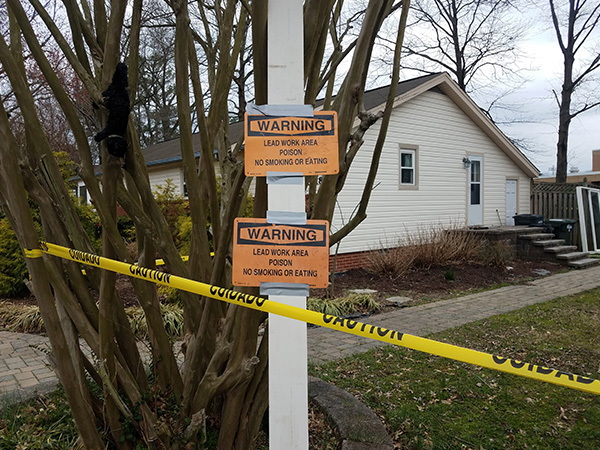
x=264, y=252
x=291, y=144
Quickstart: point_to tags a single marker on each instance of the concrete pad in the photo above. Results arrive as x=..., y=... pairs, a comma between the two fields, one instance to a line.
x=363, y=291
x=399, y=300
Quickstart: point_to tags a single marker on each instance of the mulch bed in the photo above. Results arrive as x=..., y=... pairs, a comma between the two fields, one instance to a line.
x=425, y=285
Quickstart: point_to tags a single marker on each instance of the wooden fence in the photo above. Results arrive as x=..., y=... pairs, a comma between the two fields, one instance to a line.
x=554, y=200
x=557, y=201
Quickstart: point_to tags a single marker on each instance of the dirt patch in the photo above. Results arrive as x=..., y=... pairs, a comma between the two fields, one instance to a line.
x=126, y=291
x=436, y=283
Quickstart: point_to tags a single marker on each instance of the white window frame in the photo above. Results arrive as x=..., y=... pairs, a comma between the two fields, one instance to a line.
x=183, y=185
x=412, y=150
x=82, y=193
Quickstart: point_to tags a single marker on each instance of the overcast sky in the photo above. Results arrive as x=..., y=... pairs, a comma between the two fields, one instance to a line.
x=539, y=105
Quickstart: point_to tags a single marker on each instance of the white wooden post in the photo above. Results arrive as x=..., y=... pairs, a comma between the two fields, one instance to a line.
x=288, y=379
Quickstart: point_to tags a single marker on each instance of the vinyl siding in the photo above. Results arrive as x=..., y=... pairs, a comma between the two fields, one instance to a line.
x=443, y=135
x=160, y=175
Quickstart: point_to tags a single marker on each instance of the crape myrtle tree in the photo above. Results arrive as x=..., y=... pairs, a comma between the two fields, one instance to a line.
x=576, y=25
x=115, y=399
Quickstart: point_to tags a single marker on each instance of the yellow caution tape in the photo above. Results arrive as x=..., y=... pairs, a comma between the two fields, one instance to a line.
x=33, y=253
x=158, y=262
x=462, y=354
x=161, y=262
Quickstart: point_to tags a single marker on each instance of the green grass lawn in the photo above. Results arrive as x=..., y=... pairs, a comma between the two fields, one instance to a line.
x=429, y=402
x=43, y=423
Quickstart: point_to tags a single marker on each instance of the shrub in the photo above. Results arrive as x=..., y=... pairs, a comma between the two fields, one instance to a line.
x=426, y=248
x=172, y=317
x=91, y=223
x=392, y=262
x=67, y=167
x=175, y=209
x=437, y=246
x=21, y=318
x=248, y=206
x=126, y=228
x=169, y=295
x=344, y=305
x=172, y=205
x=184, y=235
x=496, y=254
x=13, y=270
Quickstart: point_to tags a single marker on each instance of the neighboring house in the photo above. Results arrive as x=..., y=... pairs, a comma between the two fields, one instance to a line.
x=592, y=178
x=164, y=162
x=444, y=162
x=575, y=176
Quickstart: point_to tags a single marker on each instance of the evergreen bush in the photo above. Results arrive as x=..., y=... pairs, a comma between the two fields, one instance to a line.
x=13, y=270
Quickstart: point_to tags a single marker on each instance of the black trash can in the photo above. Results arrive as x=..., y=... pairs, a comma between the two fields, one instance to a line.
x=563, y=229
x=528, y=219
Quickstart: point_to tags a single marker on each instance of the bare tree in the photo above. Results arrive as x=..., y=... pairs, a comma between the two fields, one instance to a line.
x=474, y=40
x=576, y=24
x=155, y=105
x=224, y=377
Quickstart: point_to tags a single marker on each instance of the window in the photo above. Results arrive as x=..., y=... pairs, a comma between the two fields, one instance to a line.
x=81, y=193
x=185, y=192
x=476, y=182
x=184, y=187
x=408, y=168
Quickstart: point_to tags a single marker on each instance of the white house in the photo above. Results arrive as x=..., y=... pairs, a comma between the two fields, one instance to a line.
x=444, y=162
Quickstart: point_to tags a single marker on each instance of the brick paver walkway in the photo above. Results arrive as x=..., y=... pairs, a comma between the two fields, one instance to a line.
x=24, y=367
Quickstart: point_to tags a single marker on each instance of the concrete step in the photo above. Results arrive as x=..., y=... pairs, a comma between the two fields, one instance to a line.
x=583, y=263
x=560, y=249
x=536, y=236
x=570, y=257
x=549, y=243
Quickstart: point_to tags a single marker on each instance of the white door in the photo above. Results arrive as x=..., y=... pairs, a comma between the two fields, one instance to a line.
x=475, y=200
x=511, y=201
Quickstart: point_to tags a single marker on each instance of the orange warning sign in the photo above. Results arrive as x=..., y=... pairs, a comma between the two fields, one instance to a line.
x=291, y=144
x=266, y=252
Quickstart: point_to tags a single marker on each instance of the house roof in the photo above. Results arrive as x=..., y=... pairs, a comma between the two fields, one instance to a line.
x=378, y=96
x=573, y=177
x=374, y=100
x=169, y=151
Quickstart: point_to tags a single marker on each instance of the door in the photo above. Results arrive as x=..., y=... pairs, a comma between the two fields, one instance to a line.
x=475, y=200
x=511, y=201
